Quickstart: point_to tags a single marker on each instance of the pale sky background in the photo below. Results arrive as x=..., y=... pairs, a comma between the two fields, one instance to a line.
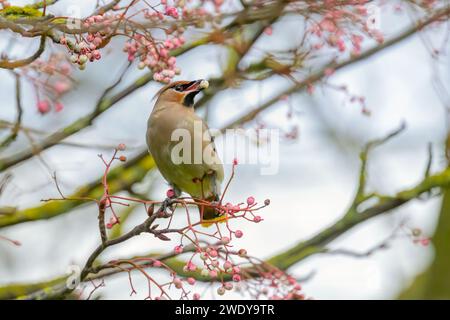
x=315, y=184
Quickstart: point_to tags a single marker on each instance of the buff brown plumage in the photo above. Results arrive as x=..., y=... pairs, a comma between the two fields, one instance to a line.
x=173, y=111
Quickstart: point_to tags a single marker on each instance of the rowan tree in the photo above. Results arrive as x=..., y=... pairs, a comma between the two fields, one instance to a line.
x=51, y=50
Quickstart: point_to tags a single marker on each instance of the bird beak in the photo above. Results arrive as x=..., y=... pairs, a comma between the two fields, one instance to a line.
x=197, y=86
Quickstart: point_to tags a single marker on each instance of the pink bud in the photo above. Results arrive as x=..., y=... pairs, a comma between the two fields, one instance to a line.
x=235, y=162
x=97, y=55
x=238, y=233
x=329, y=71
x=97, y=41
x=171, y=61
x=157, y=77
x=121, y=147
x=236, y=278
x=257, y=219
x=191, y=281
x=168, y=44
x=172, y=12
x=250, y=201
x=191, y=266
x=196, y=296
x=163, y=53
x=61, y=87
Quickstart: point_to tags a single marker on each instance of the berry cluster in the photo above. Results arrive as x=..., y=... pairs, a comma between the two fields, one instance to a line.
x=155, y=56
x=87, y=48
x=51, y=80
x=331, y=30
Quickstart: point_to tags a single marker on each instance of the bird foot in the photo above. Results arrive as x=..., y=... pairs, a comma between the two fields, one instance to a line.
x=166, y=209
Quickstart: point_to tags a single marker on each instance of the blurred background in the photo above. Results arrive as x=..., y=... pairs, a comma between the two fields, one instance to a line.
x=318, y=167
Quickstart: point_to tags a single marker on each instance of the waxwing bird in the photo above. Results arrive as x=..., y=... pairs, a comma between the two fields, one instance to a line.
x=200, y=171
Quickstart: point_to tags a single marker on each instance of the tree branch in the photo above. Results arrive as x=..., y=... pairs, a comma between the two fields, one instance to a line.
x=6, y=64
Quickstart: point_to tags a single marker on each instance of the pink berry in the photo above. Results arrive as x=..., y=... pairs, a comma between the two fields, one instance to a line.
x=227, y=265
x=250, y=201
x=238, y=233
x=170, y=193
x=59, y=107
x=177, y=282
x=242, y=252
x=257, y=219
x=43, y=106
x=192, y=267
x=157, y=264
x=213, y=273
x=228, y=286
x=225, y=240
x=213, y=253
x=191, y=281
x=178, y=249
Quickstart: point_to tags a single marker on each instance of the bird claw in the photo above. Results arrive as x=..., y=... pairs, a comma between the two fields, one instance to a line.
x=166, y=204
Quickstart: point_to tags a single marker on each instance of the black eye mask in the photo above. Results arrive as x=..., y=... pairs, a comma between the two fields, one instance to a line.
x=183, y=87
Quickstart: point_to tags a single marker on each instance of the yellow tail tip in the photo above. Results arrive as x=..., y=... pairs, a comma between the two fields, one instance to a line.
x=208, y=222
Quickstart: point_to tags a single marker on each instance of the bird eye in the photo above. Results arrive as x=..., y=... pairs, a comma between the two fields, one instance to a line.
x=179, y=87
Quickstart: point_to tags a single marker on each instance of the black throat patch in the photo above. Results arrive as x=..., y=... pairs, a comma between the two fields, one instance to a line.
x=189, y=99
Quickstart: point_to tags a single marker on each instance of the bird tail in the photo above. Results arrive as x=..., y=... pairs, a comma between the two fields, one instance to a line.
x=210, y=215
